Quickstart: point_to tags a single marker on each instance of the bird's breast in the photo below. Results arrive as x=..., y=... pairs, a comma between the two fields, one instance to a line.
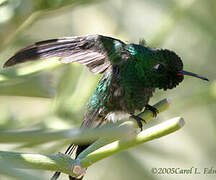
x=118, y=96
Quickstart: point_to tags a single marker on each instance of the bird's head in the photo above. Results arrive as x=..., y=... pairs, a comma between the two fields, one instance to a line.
x=165, y=70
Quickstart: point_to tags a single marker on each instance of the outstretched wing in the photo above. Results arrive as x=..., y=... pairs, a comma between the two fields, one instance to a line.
x=94, y=51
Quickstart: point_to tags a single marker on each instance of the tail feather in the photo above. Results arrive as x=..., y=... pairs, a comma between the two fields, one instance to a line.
x=73, y=178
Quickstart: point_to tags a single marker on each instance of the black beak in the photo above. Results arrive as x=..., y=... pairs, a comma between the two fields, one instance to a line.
x=182, y=73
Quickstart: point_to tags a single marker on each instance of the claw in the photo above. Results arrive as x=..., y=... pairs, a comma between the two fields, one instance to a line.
x=152, y=109
x=139, y=121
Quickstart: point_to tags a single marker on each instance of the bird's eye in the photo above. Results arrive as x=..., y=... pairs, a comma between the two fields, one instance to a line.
x=158, y=67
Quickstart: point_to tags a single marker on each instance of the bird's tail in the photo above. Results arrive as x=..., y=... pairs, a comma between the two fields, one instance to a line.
x=93, y=120
x=73, y=178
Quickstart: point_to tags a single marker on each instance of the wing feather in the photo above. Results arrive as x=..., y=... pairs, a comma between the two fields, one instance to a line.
x=93, y=51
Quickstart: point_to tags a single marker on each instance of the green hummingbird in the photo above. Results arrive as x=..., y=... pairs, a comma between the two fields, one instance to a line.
x=132, y=72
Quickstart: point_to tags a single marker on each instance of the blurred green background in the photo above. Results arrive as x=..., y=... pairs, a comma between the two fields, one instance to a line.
x=53, y=96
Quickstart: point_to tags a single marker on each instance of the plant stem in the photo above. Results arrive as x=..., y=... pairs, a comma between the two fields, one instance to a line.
x=54, y=162
x=74, y=136
x=63, y=163
x=98, y=150
x=149, y=134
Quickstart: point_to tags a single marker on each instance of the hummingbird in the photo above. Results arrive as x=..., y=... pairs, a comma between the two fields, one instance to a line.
x=131, y=73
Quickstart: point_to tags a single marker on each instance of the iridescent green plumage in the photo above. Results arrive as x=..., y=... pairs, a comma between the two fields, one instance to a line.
x=131, y=73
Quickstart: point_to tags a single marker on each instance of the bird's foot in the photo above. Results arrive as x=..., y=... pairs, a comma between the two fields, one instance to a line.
x=152, y=109
x=139, y=121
